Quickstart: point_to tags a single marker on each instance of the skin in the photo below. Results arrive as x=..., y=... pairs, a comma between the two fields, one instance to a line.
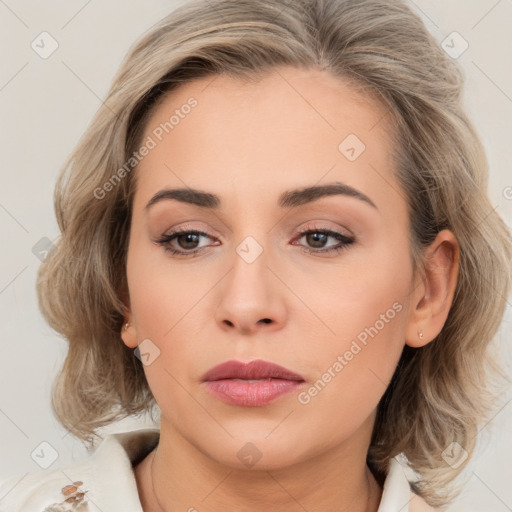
x=248, y=143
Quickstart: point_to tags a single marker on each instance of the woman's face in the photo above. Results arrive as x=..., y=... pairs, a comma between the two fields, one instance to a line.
x=288, y=269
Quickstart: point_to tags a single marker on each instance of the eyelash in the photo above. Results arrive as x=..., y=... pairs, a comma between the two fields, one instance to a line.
x=345, y=240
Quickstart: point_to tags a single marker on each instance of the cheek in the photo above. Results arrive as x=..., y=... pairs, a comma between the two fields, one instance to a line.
x=364, y=307
x=168, y=309
x=365, y=297
x=162, y=293
x=163, y=312
x=352, y=370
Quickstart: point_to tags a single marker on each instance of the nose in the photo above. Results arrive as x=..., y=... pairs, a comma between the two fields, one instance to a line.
x=251, y=298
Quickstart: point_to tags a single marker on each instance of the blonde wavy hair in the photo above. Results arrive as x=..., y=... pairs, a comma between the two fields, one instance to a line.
x=440, y=393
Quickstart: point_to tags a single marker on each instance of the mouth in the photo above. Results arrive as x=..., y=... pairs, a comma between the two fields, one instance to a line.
x=251, y=384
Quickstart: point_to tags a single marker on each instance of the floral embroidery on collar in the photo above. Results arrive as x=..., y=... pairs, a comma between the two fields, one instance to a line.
x=74, y=499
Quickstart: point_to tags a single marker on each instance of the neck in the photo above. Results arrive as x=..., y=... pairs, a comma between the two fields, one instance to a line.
x=177, y=476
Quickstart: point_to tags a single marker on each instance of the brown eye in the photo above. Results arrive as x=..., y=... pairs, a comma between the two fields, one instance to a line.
x=317, y=240
x=188, y=241
x=185, y=242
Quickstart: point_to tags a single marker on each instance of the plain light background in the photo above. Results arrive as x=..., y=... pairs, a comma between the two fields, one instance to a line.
x=46, y=104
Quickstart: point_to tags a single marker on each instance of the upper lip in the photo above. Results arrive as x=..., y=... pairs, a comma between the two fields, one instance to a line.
x=256, y=369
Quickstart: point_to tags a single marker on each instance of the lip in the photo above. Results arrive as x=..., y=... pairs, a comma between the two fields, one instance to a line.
x=256, y=369
x=251, y=384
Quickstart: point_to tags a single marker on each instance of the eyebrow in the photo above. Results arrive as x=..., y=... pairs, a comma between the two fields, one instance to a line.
x=288, y=199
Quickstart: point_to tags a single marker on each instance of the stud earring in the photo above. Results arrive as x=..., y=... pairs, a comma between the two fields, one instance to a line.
x=126, y=326
x=420, y=335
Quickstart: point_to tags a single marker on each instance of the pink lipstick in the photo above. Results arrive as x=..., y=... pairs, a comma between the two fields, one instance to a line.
x=251, y=384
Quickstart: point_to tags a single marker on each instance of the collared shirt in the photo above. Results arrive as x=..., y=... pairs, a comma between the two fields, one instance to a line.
x=105, y=482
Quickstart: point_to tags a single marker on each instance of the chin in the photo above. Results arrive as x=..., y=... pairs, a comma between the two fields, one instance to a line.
x=257, y=453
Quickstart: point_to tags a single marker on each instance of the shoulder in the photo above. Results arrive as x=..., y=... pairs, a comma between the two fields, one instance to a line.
x=103, y=481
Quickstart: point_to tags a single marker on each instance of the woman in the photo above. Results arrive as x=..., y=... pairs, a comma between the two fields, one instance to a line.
x=276, y=230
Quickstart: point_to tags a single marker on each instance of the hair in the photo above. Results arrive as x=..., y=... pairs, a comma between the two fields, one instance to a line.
x=440, y=393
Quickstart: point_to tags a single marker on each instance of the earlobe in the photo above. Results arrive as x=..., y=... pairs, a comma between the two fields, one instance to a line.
x=433, y=297
x=128, y=335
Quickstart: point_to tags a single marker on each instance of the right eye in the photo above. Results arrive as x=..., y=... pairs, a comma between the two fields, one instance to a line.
x=187, y=240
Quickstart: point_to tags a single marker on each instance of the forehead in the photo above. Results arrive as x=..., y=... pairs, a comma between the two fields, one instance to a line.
x=288, y=128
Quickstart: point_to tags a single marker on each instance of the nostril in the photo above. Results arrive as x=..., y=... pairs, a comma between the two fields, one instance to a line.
x=266, y=320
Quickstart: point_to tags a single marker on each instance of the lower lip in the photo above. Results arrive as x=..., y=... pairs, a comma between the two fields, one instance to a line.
x=251, y=394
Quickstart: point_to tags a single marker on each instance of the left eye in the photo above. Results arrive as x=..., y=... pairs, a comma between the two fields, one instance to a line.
x=317, y=239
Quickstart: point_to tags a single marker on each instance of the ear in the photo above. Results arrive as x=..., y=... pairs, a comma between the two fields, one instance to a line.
x=128, y=334
x=433, y=293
